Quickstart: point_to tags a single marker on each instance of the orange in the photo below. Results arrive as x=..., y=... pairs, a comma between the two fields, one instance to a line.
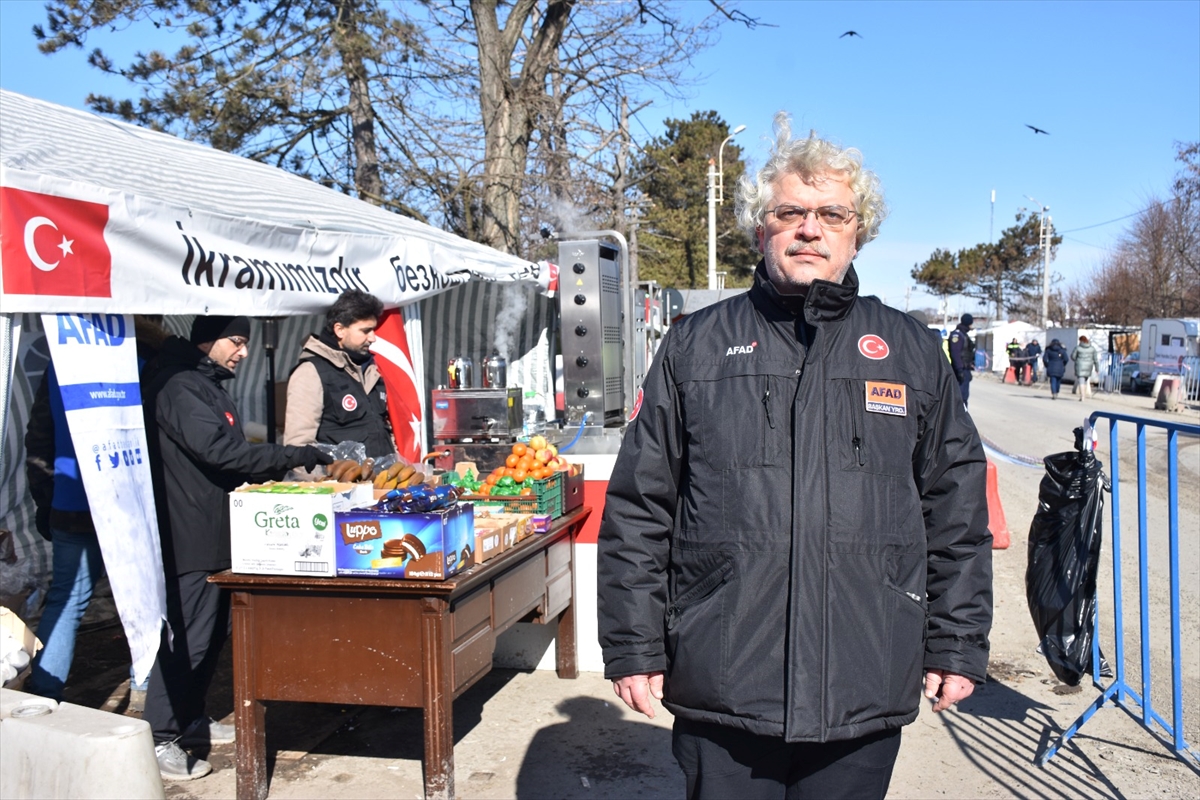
x=527, y=491
x=512, y=461
x=526, y=463
x=520, y=449
x=519, y=475
x=491, y=479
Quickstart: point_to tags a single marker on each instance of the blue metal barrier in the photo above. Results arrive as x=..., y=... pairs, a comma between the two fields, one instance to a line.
x=1138, y=704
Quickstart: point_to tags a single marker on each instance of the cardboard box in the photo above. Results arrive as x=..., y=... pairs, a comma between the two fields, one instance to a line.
x=428, y=546
x=524, y=526
x=11, y=624
x=573, y=489
x=494, y=533
x=289, y=534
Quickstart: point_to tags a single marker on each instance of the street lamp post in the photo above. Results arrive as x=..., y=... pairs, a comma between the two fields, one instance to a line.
x=716, y=194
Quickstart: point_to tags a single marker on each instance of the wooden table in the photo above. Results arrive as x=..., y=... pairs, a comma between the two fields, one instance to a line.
x=373, y=641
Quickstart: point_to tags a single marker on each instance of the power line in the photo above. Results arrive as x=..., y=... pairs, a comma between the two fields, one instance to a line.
x=1118, y=219
x=1089, y=244
x=1111, y=221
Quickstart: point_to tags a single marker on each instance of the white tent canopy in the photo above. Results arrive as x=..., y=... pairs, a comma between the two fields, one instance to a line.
x=101, y=216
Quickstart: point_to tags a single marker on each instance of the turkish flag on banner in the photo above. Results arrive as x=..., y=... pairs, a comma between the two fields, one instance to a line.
x=53, y=245
x=394, y=360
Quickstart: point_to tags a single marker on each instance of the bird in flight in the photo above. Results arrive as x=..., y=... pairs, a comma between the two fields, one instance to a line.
x=850, y=33
x=1036, y=130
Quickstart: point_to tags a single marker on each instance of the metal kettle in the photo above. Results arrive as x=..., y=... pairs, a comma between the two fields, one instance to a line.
x=460, y=371
x=495, y=371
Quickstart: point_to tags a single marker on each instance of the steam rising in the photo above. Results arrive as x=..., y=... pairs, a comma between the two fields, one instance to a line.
x=514, y=300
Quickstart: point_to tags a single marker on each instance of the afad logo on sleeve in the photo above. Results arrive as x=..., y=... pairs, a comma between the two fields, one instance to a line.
x=53, y=245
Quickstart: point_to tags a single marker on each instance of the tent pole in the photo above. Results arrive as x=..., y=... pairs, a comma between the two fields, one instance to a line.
x=270, y=336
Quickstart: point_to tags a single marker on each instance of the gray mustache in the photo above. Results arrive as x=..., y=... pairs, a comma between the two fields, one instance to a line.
x=796, y=248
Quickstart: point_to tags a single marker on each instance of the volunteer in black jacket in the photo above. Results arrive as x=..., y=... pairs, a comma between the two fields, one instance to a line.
x=198, y=453
x=796, y=526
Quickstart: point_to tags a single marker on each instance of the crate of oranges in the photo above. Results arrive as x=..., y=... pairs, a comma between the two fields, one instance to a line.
x=530, y=482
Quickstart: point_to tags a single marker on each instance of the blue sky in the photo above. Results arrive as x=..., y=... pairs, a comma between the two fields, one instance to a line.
x=936, y=96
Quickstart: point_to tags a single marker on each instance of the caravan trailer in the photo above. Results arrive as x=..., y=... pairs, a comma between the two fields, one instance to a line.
x=1169, y=346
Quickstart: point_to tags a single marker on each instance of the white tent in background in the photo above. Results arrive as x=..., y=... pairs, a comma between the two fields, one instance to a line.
x=161, y=225
x=101, y=217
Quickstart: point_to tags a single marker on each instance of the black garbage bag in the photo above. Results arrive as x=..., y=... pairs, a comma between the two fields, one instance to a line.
x=1064, y=557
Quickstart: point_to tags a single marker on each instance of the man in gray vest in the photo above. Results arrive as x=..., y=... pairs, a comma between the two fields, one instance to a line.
x=336, y=393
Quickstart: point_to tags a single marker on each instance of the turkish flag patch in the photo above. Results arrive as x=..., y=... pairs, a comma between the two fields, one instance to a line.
x=873, y=347
x=53, y=245
x=349, y=403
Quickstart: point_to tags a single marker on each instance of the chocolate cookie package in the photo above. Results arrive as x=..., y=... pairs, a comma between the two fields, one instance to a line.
x=425, y=546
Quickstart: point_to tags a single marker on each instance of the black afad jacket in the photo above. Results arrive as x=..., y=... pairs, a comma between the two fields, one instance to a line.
x=198, y=453
x=796, y=524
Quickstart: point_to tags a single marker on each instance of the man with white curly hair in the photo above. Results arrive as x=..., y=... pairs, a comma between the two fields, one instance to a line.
x=794, y=542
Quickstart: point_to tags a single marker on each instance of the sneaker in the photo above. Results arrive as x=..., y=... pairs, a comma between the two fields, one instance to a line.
x=177, y=765
x=207, y=731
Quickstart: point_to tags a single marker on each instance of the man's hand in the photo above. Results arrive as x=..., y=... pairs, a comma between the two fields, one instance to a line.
x=312, y=457
x=636, y=691
x=946, y=688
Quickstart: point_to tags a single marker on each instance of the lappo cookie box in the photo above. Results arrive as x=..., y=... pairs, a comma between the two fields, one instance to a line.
x=428, y=546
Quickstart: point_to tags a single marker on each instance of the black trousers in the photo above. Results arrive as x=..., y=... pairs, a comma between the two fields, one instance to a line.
x=199, y=615
x=720, y=762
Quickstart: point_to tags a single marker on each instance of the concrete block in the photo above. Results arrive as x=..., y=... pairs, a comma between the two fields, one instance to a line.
x=62, y=750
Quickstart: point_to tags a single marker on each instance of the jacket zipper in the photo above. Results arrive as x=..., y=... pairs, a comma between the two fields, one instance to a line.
x=766, y=401
x=856, y=441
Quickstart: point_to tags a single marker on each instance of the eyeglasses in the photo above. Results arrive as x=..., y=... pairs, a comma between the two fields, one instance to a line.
x=831, y=218
x=239, y=341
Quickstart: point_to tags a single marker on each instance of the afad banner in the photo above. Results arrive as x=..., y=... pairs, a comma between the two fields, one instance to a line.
x=95, y=358
x=108, y=252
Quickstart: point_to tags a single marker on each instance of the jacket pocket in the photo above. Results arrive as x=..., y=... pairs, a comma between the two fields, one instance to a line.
x=705, y=585
x=695, y=623
x=871, y=441
x=906, y=650
x=738, y=415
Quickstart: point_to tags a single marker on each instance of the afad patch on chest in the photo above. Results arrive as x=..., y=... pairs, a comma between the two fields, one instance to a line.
x=887, y=398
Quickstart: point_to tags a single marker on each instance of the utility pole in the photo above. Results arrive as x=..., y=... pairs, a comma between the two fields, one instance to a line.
x=1046, y=234
x=712, y=224
x=716, y=194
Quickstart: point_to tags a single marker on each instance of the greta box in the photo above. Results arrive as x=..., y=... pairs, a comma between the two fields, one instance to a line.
x=278, y=533
x=429, y=546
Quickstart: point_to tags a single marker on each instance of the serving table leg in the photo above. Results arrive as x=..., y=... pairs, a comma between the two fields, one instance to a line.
x=250, y=750
x=439, y=699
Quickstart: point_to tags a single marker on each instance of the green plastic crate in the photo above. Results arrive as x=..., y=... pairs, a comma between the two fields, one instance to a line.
x=546, y=498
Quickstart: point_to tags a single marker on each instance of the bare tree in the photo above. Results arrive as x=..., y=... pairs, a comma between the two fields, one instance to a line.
x=442, y=109
x=1148, y=273
x=288, y=82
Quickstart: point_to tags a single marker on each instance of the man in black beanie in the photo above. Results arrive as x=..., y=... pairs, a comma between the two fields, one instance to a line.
x=198, y=453
x=962, y=355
